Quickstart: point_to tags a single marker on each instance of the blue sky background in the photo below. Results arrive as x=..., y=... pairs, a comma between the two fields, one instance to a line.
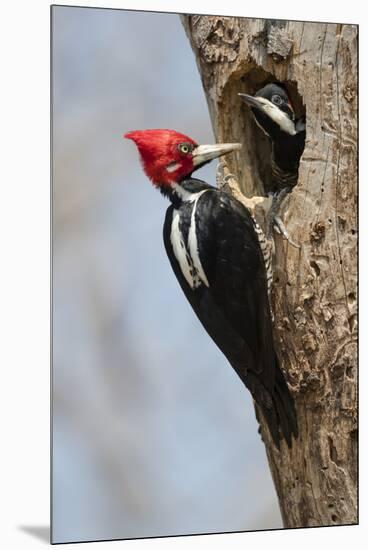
x=154, y=434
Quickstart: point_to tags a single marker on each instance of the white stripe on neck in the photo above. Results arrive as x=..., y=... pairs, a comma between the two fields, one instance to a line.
x=179, y=249
x=193, y=243
x=189, y=261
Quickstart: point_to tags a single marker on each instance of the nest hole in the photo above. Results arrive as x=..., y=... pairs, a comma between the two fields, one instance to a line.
x=254, y=166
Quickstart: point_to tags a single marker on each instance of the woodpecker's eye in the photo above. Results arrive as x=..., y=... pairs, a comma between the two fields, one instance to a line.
x=277, y=100
x=185, y=148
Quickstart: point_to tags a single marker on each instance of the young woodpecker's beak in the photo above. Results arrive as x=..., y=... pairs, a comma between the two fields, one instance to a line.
x=205, y=153
x=254, y=102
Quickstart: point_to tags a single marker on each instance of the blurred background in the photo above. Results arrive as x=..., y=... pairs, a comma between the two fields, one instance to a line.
x=153, y=432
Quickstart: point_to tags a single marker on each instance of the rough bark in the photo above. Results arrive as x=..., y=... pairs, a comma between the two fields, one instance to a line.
x=315, y=288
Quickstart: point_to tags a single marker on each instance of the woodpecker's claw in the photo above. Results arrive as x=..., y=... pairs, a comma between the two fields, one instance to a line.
x=277, y=200
x=220, y=174
x=221, y=179
x=281, y=229
x=274, y=220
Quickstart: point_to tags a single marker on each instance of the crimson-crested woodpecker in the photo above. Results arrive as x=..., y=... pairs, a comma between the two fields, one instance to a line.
x=273, y=112
x=213, y=248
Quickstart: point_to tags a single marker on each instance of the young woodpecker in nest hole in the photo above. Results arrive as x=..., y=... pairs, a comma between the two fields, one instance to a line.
x=214, y=251
x=274, y=114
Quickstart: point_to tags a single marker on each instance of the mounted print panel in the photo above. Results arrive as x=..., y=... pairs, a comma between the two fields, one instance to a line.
x=204, y=184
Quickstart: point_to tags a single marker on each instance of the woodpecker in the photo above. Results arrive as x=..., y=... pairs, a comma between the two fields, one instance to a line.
x=273, y=112
x=213, y=249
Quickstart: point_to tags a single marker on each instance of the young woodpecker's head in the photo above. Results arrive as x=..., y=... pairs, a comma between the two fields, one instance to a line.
x=168, y=156
x=273, y=111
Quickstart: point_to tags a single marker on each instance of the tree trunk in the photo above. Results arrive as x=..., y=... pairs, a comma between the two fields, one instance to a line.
x=315, y=288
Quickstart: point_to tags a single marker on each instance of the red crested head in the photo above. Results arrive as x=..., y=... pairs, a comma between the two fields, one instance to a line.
x=168, y=156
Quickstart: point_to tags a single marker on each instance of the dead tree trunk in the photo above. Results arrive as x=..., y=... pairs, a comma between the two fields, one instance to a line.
x=315, y=288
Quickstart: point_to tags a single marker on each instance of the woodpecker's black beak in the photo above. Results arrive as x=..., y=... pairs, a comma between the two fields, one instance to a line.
x=205, y=153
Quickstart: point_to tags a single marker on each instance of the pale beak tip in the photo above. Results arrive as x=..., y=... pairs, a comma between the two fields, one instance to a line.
x=235, y=147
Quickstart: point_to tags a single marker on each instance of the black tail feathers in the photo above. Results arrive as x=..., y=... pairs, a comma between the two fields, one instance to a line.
x=285, y=408
x=280, y=415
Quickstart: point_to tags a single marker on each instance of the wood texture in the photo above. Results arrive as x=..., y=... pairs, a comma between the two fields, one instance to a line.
x=315, y=288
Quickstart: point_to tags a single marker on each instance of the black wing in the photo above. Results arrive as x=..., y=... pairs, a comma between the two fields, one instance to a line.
x=234, y=308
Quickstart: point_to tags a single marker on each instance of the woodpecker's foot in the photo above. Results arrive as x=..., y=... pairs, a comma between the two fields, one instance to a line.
x=277, y=200
x=280, y=227
x=221, y=179
x=274, y=220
